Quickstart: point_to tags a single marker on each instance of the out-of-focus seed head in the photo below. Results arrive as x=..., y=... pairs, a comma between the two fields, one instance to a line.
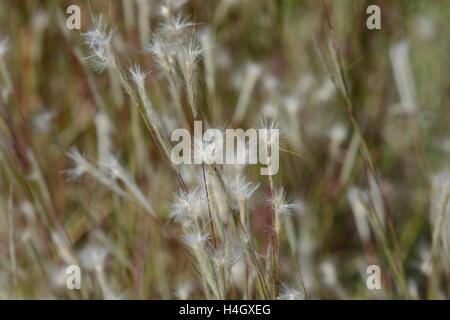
x=292, y=104
x=357, y=199
x=328, y=270
x=4, y=46
x=93, y=256
x=42, y=121
x=338, y=133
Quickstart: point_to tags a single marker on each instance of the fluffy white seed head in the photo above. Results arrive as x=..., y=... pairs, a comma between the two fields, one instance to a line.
x=190, y=205
x=98, y=40
x=137, y=75
x=279, y=203
x=271, y=140
x=163, y=52
x=241, y=190
x=176, y=26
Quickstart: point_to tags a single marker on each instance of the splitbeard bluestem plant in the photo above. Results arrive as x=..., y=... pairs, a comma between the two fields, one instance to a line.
x=208, y=222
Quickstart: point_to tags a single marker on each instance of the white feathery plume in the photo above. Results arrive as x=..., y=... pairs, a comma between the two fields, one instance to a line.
x=175, y=26
x=190, y=205
x=279, y=203
x=241, y=189
x=98, y=39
